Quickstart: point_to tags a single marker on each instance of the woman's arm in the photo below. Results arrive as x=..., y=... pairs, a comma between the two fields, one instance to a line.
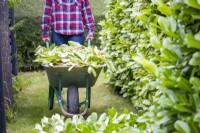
x=88, y=19
x=46, y=18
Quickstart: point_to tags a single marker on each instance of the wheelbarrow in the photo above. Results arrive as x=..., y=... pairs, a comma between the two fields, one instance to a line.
x=60, y=77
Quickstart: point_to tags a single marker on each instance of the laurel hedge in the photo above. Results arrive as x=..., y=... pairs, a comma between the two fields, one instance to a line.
x=155, y=46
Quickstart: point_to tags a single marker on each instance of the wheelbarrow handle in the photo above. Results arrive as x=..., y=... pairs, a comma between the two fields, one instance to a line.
x=89, y=42
x=47, y=44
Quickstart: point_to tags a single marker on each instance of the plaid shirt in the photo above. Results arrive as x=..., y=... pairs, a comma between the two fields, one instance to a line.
x=67, y=17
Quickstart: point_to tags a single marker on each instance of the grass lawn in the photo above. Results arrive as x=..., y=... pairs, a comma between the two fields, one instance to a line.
x=32, y=106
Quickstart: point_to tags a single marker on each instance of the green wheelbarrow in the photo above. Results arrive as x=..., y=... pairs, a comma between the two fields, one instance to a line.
x=60, y=77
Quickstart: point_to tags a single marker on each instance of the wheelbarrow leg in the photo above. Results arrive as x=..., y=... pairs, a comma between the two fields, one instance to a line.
x=73, y=100
x=51, y=97
x=88, y=95
x=88, y=91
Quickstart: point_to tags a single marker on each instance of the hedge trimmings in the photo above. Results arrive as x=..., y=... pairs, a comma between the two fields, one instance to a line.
x=72, y=55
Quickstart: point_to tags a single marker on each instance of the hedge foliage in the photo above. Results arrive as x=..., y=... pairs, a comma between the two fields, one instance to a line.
x=28, y=37
x=126, y=35
x=155, y=46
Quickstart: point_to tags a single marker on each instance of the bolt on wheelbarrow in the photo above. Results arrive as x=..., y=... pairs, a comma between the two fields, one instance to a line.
x=60, y=77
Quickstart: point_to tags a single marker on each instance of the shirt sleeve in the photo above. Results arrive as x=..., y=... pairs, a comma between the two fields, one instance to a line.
x=88, y=17
x=46, y=18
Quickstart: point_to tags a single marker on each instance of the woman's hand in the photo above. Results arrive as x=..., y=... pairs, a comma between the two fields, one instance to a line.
x=89, y=37
x=44, y=39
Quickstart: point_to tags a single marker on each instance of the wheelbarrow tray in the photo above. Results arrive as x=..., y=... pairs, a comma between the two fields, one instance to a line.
x=77, y=76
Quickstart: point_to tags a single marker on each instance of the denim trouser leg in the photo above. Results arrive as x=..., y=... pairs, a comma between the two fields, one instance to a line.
x=77, y=38
x=59, y=39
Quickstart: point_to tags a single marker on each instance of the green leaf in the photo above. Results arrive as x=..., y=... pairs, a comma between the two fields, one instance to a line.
x=129, y=130
x=143, y=18
x=198, y=1
x=126, y=111
x=182, y=126
x=148, y=65
x=163, y=120
x=165, y=113
x=192, y=3
x=164, y=23
x=168, y=55
x=155, y=42
x=112, y=112
x=86, y=130
x=165, y=102
x=164, y=9
x=167, y=25
x=196, y=82
x=157, y=2
x=171, y=95
x=173, y=24
x=191, y=42
x=194, y=61
x=197, y=117
x=69, y=128
x=94, y=72
x=102, y=118
x=184, y=84
x=197, y=36
x=93, y=117
x=182, y=108
x=146, y=117
x=196, y=100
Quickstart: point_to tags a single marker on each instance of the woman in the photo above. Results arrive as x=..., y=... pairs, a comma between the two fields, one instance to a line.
x=67, y=20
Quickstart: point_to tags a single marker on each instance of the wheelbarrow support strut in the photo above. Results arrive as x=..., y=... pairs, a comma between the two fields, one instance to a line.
x=86, y=102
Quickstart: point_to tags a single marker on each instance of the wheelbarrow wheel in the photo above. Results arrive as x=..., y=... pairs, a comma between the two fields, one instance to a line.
x=73, y=100
x=51, y=98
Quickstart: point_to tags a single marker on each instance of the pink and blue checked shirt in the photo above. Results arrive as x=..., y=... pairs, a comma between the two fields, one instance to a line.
x=67, y=17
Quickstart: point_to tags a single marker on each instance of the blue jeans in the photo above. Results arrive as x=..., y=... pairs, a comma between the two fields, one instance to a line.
x=59, y=39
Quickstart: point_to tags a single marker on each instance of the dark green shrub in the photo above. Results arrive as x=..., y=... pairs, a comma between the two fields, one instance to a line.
x=28, y=37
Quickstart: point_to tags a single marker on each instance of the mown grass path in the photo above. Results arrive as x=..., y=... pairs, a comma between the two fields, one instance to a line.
x=32, y=106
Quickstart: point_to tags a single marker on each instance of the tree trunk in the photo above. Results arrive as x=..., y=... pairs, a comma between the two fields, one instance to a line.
x=6, y=53
x=4, y=37
x=13, y=42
